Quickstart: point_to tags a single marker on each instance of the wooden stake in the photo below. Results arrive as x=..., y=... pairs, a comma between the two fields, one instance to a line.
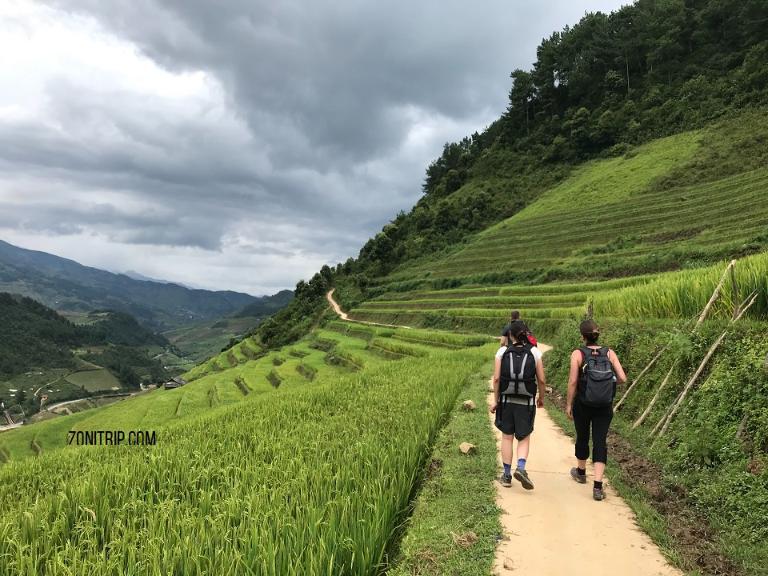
x=664, y=382
x=752, y=298
x=636, y=380
x=715, y=295
x=692, y=381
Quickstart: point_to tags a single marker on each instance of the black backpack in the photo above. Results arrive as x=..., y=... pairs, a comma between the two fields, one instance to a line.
x=518, y=372
x=597, y=385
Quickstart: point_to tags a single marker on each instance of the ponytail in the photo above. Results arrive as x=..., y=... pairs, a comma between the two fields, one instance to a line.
x=590, y=331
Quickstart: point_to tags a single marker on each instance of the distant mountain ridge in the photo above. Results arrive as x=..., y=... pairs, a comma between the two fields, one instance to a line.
x=266, y=305
x=68, y=286
x=139, y=276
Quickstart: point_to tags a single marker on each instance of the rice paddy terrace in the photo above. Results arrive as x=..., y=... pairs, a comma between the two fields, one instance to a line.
x=265, y=462
x=605, y=235
x=243, y=372
x=618, y=215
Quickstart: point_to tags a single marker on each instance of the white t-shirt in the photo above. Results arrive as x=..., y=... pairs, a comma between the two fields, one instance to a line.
x=537, y=355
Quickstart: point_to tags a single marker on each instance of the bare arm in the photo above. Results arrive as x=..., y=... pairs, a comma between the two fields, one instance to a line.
x=496, y=378
x=573, y=381
x=621, y=377
x=541, y=379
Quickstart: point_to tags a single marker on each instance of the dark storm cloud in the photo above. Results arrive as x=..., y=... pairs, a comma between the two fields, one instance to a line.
x=332, y=76
x=330, y=112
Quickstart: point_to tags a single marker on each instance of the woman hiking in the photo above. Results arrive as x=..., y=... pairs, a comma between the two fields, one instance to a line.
x=514, y=317
x=595, y=370
x=518, y=371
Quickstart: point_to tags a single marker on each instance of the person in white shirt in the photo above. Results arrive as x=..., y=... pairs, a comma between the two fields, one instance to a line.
x=517, y=377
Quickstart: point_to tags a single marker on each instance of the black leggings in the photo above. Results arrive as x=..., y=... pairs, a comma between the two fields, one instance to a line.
x=600, y=420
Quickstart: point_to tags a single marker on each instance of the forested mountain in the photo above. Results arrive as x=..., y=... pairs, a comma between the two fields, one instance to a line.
x=41, y=349
x=266, y=305
x=68, y=286
x=598, y=89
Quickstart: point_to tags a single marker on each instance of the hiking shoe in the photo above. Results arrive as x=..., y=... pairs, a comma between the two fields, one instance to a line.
x=598, y=494
x=580, y=478
x=522, y=477
x=505, y=480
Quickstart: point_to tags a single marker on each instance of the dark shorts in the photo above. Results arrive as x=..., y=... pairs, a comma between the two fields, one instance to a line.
x=515, y=419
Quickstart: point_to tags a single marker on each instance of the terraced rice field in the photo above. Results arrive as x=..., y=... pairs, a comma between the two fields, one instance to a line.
x=230, y=469
x=671, y=295
x=346, y=348
x=609, y=219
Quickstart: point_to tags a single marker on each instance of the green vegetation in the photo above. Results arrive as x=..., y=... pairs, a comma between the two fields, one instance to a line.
x=33, y=335
x=41, y=351
x=623, y=223
x=266, y=306
x=455, y=523
x=714, y=454
x=381, y=418
x=94, y=380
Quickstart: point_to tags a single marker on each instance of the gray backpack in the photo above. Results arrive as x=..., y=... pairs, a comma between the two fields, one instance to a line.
x=597, y=385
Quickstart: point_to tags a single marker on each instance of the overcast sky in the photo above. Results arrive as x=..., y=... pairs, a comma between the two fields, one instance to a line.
x=241, y=144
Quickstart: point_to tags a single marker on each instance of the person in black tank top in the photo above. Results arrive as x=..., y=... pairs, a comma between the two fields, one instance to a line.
x=590, y=416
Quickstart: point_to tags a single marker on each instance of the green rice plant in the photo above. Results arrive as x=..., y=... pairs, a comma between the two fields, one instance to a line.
x=398, y=348
x=232, y=494
x=684, y=294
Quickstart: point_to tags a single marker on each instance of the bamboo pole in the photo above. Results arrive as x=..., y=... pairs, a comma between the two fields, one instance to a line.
x=676, y=406
x=650, y=406
x=639, y=376
x=699, y=322
x=715, y=295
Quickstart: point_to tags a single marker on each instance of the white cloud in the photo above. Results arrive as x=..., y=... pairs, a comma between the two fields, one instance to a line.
x=241, y=144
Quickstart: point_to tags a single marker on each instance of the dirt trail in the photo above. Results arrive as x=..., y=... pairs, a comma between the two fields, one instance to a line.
x=335, y=305
x=344, y=316
x=558, y=528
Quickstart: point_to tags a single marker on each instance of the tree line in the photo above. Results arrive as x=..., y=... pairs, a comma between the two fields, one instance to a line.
x=598, y=88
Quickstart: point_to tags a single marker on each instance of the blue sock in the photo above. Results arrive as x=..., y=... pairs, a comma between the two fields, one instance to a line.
x=507, y=469
x=521, y=463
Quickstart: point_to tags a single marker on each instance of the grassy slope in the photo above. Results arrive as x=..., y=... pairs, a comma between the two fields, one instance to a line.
x=689, y=201
x=345, y=518
x=640, y=210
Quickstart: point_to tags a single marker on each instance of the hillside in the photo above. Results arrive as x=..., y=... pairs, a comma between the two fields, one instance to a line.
x=626, y=173
x=640, y=237
x=43, y=353
x=67, y=286
x=651, y=209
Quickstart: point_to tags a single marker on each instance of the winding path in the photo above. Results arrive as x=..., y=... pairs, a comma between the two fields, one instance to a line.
x=344, y=316
x=557, y=529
